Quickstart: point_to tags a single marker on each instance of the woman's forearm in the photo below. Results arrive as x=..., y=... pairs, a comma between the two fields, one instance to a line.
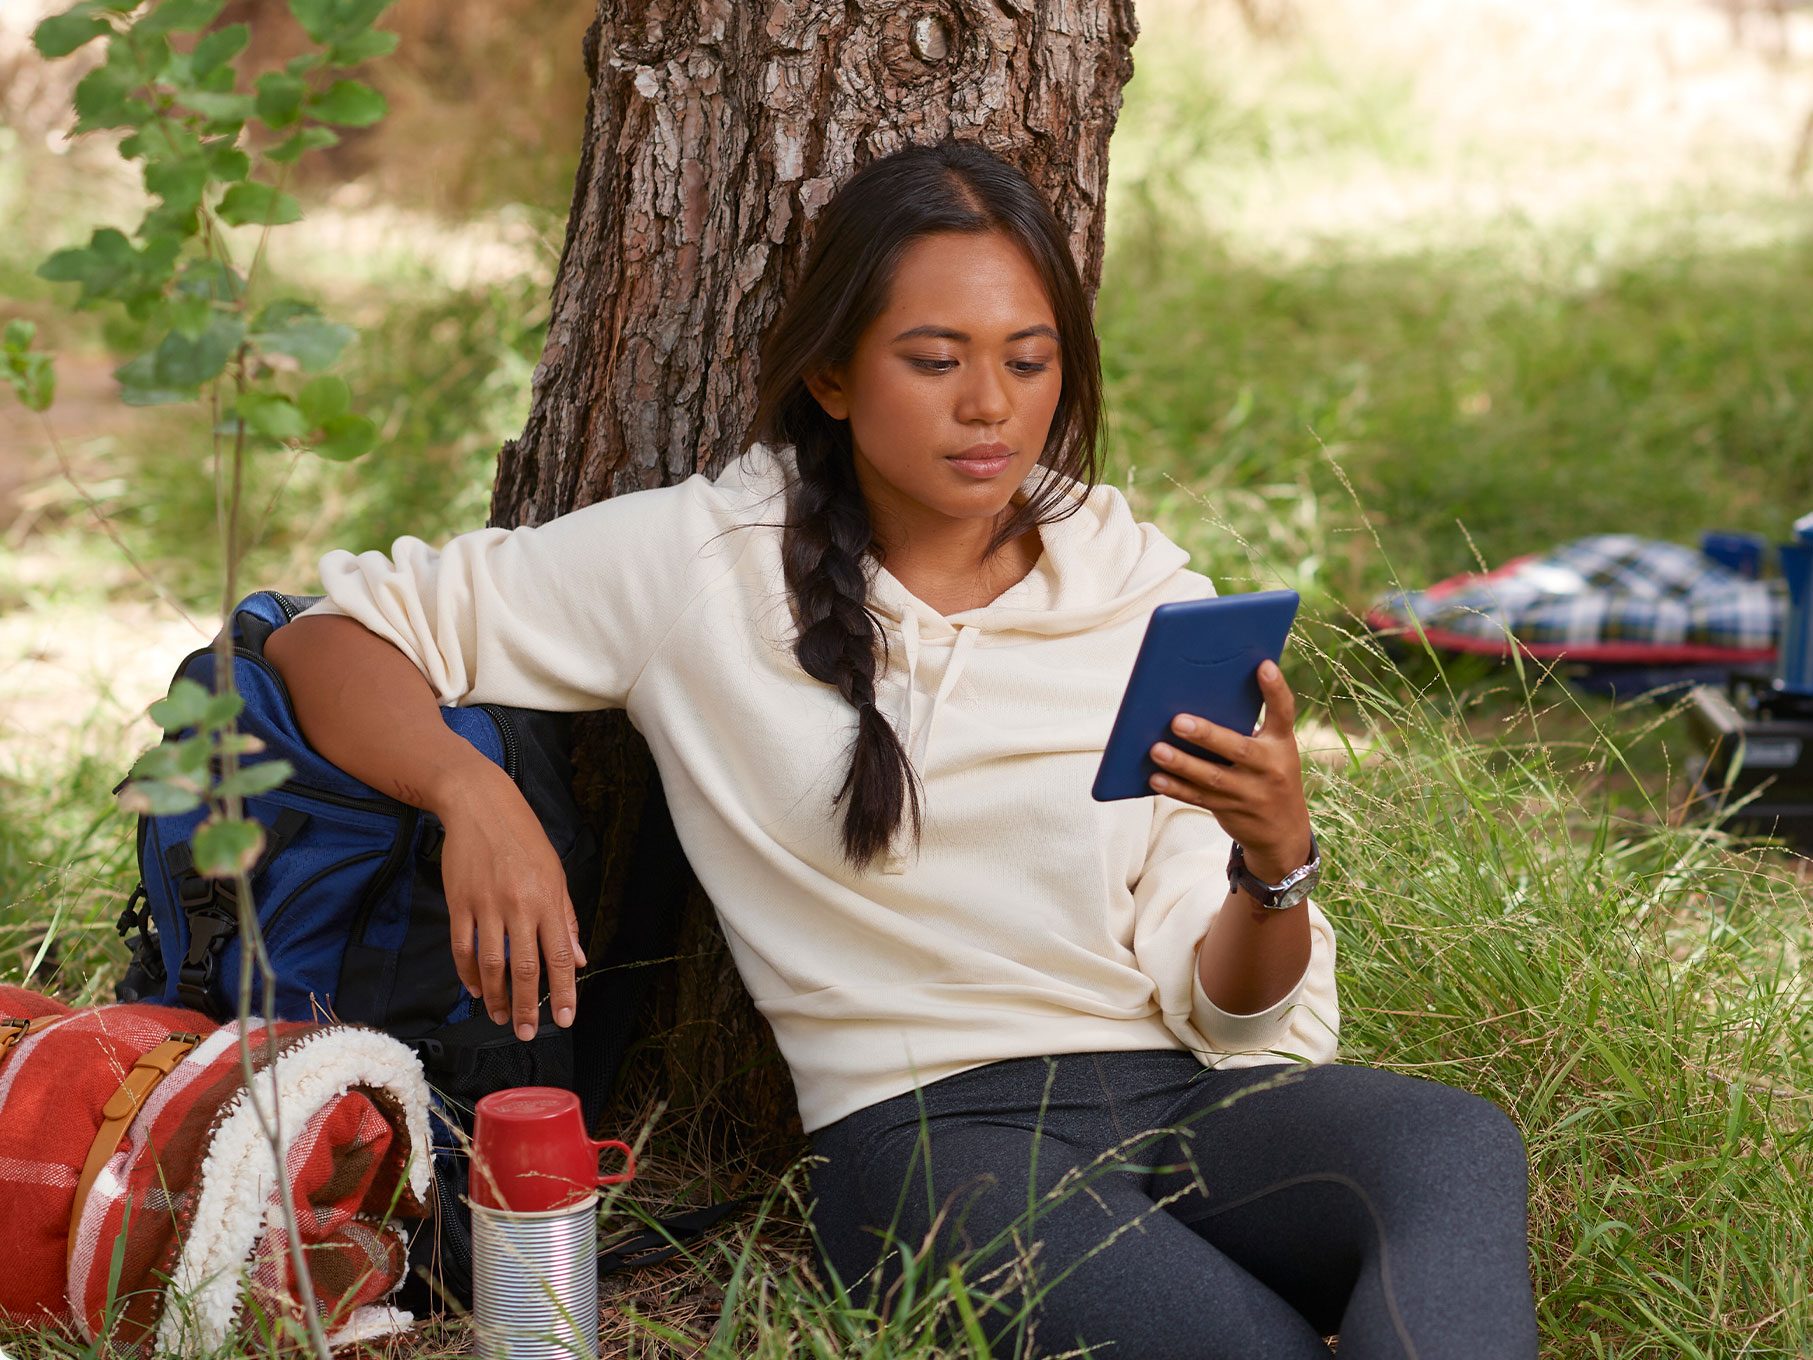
x=364, y=706
x=1253, y=955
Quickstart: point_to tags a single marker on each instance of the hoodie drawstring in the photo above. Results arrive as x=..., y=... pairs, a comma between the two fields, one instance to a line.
x=918, y=741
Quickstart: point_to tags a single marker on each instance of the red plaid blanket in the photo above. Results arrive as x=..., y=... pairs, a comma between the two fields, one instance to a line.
x=187, y=1209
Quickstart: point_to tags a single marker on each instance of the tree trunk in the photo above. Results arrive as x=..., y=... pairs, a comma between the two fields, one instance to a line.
x=715, y=131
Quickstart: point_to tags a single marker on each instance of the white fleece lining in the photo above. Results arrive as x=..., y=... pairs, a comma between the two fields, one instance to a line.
x=370, y=1322
x=237, y=1177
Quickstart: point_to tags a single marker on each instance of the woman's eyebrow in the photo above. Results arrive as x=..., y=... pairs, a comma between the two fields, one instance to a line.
x=947, y=333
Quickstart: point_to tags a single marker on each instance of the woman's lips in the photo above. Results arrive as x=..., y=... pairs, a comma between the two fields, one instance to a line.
x=981, y=467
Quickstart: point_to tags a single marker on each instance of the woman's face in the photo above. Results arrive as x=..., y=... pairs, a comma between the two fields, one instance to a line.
x=952, y=388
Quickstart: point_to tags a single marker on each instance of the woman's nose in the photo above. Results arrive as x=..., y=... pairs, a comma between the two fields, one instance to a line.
x=985, y=396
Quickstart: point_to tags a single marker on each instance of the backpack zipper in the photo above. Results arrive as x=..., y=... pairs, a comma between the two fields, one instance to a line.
x=506, y=732
x=270, y=922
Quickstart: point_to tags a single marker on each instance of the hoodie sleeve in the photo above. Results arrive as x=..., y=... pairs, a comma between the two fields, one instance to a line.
x=559, y=616
x=1176, y=897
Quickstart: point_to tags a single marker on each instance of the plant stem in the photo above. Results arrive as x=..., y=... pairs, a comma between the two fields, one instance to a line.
x=56, y=447
x=251, y=938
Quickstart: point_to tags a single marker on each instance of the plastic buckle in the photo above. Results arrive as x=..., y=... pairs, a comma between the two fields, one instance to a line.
x=207, y=934
x=133, y=915
x=193, y=892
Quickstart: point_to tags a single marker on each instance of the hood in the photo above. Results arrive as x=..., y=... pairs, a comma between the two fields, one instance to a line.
x=1098, y=564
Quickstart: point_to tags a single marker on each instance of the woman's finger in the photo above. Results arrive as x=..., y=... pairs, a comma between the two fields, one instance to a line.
x=1223, y=788
x=525, y=977
x=465, y=956
x=559, y=951
x=491, y=967
x=1209, y=736
x=1280, y=702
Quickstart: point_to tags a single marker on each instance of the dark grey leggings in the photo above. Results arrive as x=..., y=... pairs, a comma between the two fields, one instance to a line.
x=1308, y=1201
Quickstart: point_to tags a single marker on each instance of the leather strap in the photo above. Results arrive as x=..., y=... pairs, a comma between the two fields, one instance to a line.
x=13, y=1031
x=119, y=1112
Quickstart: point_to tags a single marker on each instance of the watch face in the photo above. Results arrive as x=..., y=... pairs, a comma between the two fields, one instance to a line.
x=1297, y=891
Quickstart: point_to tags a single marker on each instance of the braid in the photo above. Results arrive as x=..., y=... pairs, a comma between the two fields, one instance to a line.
x=828, y=534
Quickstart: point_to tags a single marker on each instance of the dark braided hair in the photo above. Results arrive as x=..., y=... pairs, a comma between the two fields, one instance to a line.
x=828, y=546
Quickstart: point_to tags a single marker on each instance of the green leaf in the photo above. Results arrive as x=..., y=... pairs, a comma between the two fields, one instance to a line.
x=261, y=203
x=19, y=335
x=323, y=399
x=279, y=99
x=226, y=162
x=345, y=437
x=188, y=315
x=221, y=80
x=223, y=848
x=180, y=16
x=139, y=385
x=32, y=378
x=347, y=103
x=220, y=109
x=222, y=709
x=183, y=361
x=299, y=330
x=62, y=34
x=362, y=47
x=253, y=779
x=183, y=707
x=105, y=267
x=272, y=414
x=162, y=139
x=178, y=183
x=103, y=100
x=218, y=47
x=156, y=798
x=210, y=279
x=302, y=65
x=334, y=21
x=181, y=762
x=304, y=139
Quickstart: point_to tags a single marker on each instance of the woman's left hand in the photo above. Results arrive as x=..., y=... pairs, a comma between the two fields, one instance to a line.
x=1258, y=798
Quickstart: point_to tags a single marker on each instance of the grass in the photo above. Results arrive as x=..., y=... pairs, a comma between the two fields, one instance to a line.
x=1302, y=397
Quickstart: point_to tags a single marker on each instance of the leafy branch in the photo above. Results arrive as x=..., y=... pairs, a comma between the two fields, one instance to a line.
x=256, y=364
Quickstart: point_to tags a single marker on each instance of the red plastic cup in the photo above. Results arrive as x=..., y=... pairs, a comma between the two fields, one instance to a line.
x=530, y=1152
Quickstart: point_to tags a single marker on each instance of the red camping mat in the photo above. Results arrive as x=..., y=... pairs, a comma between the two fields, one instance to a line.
x=187, y=1206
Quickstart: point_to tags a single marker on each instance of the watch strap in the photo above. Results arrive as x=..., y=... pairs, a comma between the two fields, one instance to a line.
x=1268, y=894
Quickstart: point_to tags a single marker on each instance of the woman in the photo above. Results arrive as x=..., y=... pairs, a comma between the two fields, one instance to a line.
x=876, y=659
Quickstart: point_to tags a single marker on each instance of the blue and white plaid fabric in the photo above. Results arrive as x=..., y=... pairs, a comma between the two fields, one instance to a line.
x=1609, y=588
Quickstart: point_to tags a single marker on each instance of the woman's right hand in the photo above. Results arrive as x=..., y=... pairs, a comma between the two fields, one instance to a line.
x=505, y=887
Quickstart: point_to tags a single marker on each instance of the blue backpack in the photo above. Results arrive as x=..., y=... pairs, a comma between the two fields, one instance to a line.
x=348, y=894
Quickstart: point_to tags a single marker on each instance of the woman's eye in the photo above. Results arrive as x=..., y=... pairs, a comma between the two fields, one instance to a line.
x=1024, y=367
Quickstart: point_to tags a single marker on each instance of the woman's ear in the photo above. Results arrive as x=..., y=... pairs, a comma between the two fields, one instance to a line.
x=827, y=387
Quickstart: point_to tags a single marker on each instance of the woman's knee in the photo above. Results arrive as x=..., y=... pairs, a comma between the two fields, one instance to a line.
x=1480, y=1130
x=1454, y=1148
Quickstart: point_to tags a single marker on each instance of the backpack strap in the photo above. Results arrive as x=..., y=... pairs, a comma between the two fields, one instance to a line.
x=14, y=1030
x=117, y=1116
x=653, y=1245
x=211, y=907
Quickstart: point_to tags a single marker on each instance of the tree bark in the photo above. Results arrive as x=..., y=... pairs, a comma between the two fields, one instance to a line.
x=715, y=131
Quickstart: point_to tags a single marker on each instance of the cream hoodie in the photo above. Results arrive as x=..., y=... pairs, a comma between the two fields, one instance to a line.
x=1031, y=920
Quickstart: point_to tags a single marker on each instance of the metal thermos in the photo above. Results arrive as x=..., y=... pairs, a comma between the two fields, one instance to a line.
x=535, y=1282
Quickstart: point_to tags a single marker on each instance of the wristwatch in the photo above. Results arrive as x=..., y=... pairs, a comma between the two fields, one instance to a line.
x=1297, y=884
